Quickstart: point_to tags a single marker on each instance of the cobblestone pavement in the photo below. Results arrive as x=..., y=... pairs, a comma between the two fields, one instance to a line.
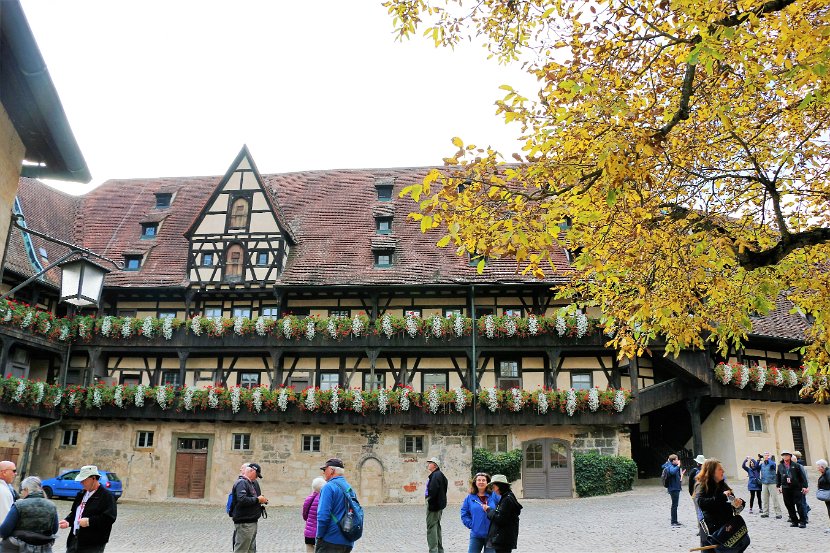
x=627, y=522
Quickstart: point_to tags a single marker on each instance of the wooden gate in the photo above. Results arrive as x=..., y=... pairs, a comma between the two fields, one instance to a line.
x=546, y=469
x=191, y=468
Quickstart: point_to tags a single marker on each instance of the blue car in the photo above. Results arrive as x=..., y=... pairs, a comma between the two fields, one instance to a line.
x=64, y=485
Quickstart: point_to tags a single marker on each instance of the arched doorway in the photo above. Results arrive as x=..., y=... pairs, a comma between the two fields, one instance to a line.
x=371, y=491
x=546, y=469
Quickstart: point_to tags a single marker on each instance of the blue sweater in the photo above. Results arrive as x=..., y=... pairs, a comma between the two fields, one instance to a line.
x=473, y=515
x=331, y=508
x=768, y=469
x=674, y=476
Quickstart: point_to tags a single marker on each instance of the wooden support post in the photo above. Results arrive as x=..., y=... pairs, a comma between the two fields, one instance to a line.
x=7, y=344
x=276, y=367
x=553, y=357
x=634, y=372
x=372, y=354
x=183, y=355
x=693, y=405
x=94, y=366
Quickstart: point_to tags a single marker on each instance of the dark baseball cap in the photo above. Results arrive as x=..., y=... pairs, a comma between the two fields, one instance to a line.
x=257, y=468
x=333, y=462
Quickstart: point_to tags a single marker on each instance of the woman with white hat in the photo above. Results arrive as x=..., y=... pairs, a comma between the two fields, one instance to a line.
x=504, y=519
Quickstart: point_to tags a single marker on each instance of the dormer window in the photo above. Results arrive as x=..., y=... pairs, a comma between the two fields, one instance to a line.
x=132, y=262
x=383, y=258
x=233, y=263
x=384, y=192
x=383, y=225
x=149, y=230
x=238, y=215
x=163, y=200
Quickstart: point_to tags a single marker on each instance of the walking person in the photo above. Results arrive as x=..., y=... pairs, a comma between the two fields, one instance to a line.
x=331, y=508
x=673, y=476
x=32, y=523
x=503, y=535
x=753, y=484
x=436, y=501
x=791, y=482
x=92, y=514
x=767, y=470
x=246, y=508
x=823, y=492
x=310, y=513
x=473, y=515
x=716, y=500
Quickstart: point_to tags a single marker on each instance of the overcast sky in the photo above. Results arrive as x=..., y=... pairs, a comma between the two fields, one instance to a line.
x=174, y=88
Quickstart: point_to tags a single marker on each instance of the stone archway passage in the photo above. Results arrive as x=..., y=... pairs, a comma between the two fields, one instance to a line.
x=371, y=482
x=546, y=469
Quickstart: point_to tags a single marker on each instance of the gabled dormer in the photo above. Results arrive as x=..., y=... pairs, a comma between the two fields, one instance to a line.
x=238, y=237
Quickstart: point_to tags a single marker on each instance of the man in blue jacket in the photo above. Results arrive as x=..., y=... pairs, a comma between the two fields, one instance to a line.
x=768, y=492
x=675, y=474
x=331, y=508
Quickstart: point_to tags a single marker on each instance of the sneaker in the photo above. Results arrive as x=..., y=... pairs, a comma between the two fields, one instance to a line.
x=750, y=510
x=827, y=530
x=802, y=525
x=676, y=524
x=764, y=516
x=779, y=516
x=794, y=525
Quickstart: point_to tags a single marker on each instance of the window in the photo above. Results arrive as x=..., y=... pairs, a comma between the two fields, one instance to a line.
x=144, y=439
x=167, y=314
x=192, y=444
x=130, y=379
x=270, y=311
x=70, y=475
x=70, y=437
x=434, y=379
x=756, y=422
x=497, y=443
x=383, y=258
x=238, y=216
x=311, y=442
x=452, y=312
x=163, y=200
x=262, y=259
x=300, y=312
x=413, y=444
x=241, y=442
x=132, y=262
x=412, y=313
x=329, y=380
x=378, y=383
x=212, y=312
x=241, y=312
x=124, y=313
x=384, y=192
x=342, y=313
x=582, y=380
x=233, y=262
x=509, y=374
x=170, y=378
x=249, y=379
x=383, y=225
x=483, y=312
x=149, y=230
x=513, y=312
x=207, y=260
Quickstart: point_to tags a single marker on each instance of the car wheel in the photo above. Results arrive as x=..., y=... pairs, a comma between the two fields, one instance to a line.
x=47, y=491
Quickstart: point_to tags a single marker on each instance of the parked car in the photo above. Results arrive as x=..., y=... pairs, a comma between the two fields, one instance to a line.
x=64, y=485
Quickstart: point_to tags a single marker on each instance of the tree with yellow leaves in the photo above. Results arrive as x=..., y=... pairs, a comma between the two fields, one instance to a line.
x=678, y=147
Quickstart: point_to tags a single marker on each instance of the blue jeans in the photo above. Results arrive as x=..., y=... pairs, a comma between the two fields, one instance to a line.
x=477, y=545
x=675, y=498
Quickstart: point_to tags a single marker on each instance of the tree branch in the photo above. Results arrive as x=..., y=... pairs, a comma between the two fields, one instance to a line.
x=787, y=244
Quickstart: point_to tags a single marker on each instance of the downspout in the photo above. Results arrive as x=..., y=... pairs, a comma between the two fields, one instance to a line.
x=473, y=367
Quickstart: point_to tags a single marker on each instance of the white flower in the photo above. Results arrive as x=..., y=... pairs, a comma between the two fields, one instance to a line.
x=218, y=327
x=161, y=396
x=41, y=390
x=460, y=400
x=726, y=378
x=188, y=397
x=357, y=403
x=619, y=401
x=433, y=400
x=126, y=327
x=147, y=327
x=64, y=332
x=27, y=320
x=489, y=327
x=97, y=400
x=383, y=401
x=792, y=378
x=118, y=396
x=196, y=325
x=47, y=326
x=570, y=403
x=532, y=325
x=492, y=399
x=561, y=327
x=808, y=381
x=311, y=400
x=237, y=325
x=259, y=327
x=70, y=401
x=518, y=402
x=386, y=325
x=458, y=325
x=21, y=389
x=762, y=379
x=213, y=399
x=258, y=399
x=510, y=326
x=405, y=399
x=331, y=327
x=106, y=326
x=286, y=327
x=309, y=330
x=581, y=324
x=82, y=329
x=335, y=399
x=8, y=316
x=139, y=395
x=437, y=326
x=779, y=377
x=744, y=377
x=282, y=399
x=542, y=399
x=593, y=399
x=411, y=325
x=58, y=397
x=357, y=326
x=235, y=396
x=167, y=329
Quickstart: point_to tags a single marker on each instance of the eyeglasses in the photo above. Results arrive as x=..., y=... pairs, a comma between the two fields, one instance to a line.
x=13, y=470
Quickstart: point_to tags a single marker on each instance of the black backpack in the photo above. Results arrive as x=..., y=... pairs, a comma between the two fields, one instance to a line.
x=664, y=477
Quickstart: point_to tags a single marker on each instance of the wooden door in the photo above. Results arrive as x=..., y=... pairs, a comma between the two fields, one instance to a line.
x=546, y=469
x=534, y=475
x=191, y=469
x=559, y=470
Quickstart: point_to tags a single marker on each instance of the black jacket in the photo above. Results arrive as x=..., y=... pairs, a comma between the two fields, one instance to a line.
x=504, y=523
x=798, y=478
x=692, y=482
x=101, y=511
x=246, y=505
x=437, y=491
x=824, y=480
x=715, y=506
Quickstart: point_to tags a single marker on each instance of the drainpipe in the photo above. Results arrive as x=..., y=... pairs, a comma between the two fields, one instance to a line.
x=473, y=367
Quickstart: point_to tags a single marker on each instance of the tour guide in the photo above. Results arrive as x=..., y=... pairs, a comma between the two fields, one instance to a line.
x=92, y=516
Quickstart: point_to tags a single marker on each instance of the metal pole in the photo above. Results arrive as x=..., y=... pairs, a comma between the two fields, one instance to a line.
x=473, y=367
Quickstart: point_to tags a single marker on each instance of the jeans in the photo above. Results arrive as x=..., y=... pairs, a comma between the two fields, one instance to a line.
x=752, y=494
x=770, y=495
x=479, y=544
x=434, y=531
x=675, y=498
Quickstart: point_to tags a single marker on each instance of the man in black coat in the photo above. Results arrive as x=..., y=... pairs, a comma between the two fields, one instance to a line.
x=791, y=481
x=436, y=500
x=92, y=516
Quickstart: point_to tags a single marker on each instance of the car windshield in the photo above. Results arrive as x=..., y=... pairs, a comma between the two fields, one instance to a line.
x=113, y=477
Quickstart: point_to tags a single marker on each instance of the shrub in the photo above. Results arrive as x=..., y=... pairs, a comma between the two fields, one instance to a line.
x=508, y=463
x=596, y=474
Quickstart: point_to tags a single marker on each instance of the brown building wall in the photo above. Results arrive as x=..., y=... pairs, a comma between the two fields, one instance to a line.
x=11, y=157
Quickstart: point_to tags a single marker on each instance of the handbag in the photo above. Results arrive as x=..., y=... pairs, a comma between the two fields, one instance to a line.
x=732, y=537
x=823, y=495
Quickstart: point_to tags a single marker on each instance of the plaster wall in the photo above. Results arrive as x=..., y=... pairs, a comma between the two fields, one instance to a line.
x=11, y=157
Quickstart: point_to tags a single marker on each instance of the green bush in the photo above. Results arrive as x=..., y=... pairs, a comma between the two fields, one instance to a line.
x=508, y=463
x=597, y=474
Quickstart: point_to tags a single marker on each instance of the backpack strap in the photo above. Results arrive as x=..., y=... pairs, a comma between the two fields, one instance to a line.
x=345, y=495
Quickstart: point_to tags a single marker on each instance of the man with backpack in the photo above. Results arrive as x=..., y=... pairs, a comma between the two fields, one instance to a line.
x=671, y=476
x=246, y=508
x=339, y=515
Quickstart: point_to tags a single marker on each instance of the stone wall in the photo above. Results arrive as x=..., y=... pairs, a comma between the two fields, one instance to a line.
x=603, y=440
x=11, y=157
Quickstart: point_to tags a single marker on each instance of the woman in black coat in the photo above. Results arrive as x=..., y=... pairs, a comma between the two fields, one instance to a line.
x=824, y=484
x=504, y=519
x=712, y=500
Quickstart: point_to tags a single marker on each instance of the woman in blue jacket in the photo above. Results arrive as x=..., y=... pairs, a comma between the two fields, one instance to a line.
x=754, y=484
x=473, y=514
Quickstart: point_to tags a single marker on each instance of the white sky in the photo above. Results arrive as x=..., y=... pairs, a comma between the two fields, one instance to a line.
x=174, y=88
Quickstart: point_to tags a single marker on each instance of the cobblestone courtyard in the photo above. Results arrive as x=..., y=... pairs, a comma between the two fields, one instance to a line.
x=627, y=522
